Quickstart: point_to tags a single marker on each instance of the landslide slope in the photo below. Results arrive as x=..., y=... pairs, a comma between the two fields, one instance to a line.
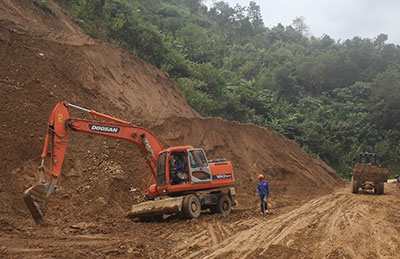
x=46, y=58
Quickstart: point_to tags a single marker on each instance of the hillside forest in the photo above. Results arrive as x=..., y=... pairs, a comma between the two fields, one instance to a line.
x=334, y=98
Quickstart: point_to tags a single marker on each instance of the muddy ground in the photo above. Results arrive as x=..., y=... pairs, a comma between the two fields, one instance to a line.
x=46, y=58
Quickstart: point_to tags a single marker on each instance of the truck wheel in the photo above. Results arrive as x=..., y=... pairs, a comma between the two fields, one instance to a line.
x=354, y=185
x=224, y=205
x=191, y=207
x=379, y=188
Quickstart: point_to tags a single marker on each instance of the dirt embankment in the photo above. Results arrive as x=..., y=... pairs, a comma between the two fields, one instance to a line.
x=46, y=59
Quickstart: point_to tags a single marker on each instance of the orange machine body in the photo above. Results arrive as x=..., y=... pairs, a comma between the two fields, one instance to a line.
x=196, y=173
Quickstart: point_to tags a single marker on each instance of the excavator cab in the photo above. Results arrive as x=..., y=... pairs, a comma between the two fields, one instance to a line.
x=186, y=165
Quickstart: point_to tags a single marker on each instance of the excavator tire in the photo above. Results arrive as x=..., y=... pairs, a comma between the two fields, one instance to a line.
x=355, y=185
x=224, y=205
x=191, y=207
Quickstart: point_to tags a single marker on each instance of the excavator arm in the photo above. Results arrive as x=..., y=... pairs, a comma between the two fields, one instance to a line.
x=58, y=136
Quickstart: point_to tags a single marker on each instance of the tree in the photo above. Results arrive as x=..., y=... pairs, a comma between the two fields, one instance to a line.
x=384, y=100
x=380, y=41
x=195, y=42
x=300, y=26
x=254, y=14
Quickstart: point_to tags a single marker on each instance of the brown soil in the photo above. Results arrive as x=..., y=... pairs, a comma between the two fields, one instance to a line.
x=370, y=172
x=45, y=58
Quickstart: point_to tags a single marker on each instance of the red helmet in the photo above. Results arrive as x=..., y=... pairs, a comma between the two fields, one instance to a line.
x=260, y=176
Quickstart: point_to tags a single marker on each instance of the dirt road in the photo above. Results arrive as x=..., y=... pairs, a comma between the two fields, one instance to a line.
x=337, y=225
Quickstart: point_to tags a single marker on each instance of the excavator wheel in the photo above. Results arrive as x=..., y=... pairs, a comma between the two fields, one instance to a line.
x=191, y=206
x=224, y=205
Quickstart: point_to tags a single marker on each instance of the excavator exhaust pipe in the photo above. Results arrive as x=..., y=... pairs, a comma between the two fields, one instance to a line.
x=35, y=198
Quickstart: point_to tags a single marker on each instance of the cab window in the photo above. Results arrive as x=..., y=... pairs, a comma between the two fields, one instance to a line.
x=197, y=159
x=161, y=169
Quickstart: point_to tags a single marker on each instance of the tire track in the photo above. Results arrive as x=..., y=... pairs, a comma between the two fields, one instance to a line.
x=336, y=225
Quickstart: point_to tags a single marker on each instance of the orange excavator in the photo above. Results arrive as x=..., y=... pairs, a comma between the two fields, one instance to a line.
x=183, y=187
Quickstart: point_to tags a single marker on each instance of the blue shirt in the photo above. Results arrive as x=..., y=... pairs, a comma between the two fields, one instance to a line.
x=178, y=165
x=263, y=187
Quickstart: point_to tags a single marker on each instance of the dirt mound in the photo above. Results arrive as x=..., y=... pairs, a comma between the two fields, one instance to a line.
x=46, y=59
x=370, y=172
x=252, y=150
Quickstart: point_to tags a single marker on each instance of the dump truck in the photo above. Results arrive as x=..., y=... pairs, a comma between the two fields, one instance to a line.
x=368, y=173
x=185, y=188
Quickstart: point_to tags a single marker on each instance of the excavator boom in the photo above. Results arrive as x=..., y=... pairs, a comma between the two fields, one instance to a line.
x=59, y=130
x=182, y=180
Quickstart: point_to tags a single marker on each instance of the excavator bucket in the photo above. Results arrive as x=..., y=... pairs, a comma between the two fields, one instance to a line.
x=35, y=198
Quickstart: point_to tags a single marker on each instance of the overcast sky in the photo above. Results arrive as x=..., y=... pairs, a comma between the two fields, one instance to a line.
x=340, y=19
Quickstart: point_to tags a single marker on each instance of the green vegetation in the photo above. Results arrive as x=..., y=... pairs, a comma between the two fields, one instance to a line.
x=334, y=98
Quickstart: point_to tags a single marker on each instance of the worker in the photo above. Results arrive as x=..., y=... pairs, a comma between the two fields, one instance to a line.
x=176, y=167
x=177, y=164
x=263, y=191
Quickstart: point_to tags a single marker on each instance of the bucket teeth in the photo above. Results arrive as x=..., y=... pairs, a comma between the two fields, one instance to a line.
x=35, y=198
